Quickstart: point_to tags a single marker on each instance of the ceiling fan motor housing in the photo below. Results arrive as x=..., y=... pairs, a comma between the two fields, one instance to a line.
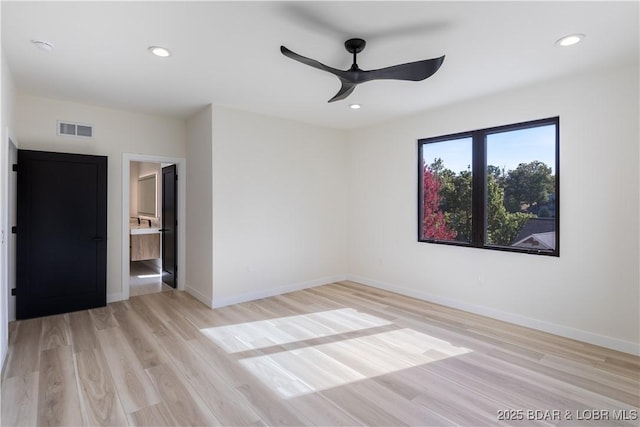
x=355, y=45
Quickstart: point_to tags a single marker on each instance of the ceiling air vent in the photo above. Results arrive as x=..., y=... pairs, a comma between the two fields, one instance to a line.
x=75, y=129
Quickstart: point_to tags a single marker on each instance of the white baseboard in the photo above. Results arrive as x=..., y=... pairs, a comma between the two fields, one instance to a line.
x=199, y=296
x=116, y=296
x=250, y=296
x=541, y=325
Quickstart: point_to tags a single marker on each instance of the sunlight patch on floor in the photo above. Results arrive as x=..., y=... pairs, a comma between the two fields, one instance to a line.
x=311, y=369
x=148, y=276
x=284, y=330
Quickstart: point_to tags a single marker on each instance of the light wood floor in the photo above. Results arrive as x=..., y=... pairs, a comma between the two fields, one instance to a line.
x=341, y=354
x=145, y=278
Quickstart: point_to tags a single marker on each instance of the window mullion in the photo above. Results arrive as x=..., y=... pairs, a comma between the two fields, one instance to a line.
x=479, y=190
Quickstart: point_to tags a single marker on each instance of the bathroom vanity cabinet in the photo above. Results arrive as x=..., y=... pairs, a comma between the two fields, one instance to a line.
x=145, y=246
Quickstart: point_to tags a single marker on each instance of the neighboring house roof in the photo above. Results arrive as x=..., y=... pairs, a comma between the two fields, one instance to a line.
x=538, y=241
x=535, y=226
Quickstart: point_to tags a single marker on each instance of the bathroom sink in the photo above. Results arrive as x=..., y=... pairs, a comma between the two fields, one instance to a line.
x=143, y=230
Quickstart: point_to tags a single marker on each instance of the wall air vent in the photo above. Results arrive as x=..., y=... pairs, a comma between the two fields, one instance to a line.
x=75, y=129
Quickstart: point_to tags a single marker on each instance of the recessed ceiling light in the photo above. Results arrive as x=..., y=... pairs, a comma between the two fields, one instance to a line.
x=159, y=51
x=43, y=45
x=355, y=106
x=570, y=40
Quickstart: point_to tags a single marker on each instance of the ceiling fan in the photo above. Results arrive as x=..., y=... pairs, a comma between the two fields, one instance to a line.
x=414, y=71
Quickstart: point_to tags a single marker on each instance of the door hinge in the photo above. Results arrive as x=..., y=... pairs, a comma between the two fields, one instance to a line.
x=14, y=229
x=176, y=177
x=13, y=292
x=14, y=167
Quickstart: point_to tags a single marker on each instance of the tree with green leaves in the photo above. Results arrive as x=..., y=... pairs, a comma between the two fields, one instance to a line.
x=528, y=186
x=456, y=204
x=502, y=226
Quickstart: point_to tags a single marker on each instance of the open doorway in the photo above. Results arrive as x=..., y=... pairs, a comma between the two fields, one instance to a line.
x=153, y=243
x=146, y=219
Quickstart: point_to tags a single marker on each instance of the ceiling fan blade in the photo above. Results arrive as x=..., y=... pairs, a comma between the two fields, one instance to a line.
x=345, y=90
x=311, y=62
x=349, y=79
x=414, y=71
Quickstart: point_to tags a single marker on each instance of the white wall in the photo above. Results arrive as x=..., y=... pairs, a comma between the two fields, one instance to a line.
x=275, y=205
x=116, y=132
x=279, y=206
x=7, y=95
x=591, y=292
x=199, y=191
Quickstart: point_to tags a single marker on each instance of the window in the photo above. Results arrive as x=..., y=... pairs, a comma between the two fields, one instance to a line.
x=494, y=188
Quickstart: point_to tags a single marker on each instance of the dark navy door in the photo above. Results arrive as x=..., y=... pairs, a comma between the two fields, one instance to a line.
x=61, y=233
x=169, y=226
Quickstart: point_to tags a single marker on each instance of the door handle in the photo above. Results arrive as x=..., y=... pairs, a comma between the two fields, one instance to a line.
x=97, y=238
x=162, y=230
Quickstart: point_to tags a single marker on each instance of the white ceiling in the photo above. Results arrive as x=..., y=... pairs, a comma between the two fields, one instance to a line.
x=227, y=53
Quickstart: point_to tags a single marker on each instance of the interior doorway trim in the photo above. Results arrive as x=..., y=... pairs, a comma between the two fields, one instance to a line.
x=181, y=169
x=8, y=156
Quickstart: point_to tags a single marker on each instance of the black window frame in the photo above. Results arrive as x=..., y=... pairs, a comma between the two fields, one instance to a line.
x=479, y=185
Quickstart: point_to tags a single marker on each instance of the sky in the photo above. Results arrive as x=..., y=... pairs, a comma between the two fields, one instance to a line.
x=505, y=149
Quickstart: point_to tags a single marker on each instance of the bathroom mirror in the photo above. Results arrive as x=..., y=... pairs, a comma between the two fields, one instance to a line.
x=147, y=195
